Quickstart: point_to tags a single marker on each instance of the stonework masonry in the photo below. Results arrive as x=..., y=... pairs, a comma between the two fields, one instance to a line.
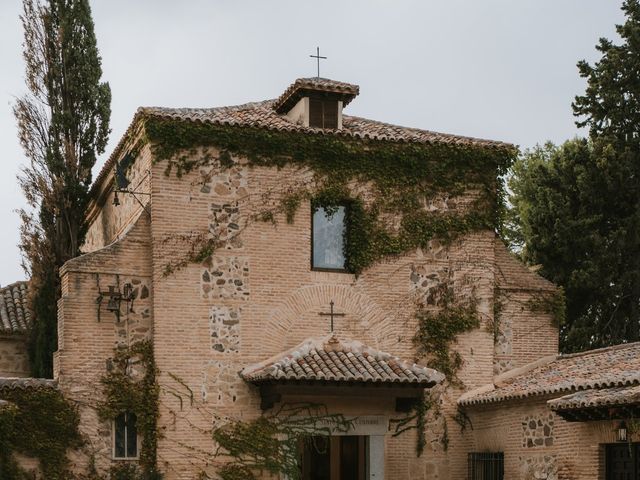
x=257, y=296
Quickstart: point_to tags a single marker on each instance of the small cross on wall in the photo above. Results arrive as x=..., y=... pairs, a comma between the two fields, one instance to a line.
x=331, y=314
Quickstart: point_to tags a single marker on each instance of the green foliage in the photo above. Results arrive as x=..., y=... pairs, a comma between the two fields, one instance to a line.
x=575, y=207
x=39, y=423
x=272, y=443
x=125, y=393
x=63, y=124
x=403, y=177
x=579, y=221
x=438, y=329
x=417, y=420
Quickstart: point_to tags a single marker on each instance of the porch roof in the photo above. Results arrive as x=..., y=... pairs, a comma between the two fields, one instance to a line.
x=604, y=368
x=330, y=359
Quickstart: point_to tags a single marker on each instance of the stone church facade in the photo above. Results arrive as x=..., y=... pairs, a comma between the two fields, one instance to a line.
x=243, y=330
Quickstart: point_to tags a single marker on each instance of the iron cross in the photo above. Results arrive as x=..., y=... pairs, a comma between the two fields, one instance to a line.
x=331, y=314
x=318, y=57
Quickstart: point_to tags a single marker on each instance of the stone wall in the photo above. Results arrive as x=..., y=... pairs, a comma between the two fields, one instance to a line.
x=14, y=361
x=89, y=333
x=256, y=297
x=539, y=445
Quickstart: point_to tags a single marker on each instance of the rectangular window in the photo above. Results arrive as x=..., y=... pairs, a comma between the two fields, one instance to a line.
x=323, y=113
x=486, y=466
x=125, y=436
x=328, y=232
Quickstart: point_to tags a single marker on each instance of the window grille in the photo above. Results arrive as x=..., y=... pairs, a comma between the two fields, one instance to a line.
x=486, y=466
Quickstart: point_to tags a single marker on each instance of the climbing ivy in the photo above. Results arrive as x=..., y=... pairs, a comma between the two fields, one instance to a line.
x=271, y=443
x=403, y=177
x=124, y=393
x=438, y=329
x=39, y=423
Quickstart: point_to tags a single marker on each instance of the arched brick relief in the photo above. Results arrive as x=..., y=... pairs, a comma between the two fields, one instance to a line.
x=297, y=318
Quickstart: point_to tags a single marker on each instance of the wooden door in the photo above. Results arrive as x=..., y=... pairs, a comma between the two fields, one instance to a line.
x=623, y=461
x=335, y=458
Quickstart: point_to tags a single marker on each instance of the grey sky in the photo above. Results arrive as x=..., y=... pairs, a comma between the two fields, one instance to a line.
x=499, y=69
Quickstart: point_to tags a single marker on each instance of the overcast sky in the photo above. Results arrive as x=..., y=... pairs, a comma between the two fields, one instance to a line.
x=498, y=69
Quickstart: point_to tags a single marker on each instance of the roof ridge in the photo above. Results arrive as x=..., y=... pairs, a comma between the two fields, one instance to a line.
x=15, y=284
x=619, y=346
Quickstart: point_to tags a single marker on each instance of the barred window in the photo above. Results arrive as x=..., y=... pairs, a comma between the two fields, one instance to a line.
x=486, y=466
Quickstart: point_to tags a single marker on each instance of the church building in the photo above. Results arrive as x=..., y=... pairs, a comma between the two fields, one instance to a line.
x=282, y=258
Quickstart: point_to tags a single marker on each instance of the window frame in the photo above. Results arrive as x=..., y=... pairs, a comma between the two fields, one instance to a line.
x=113, y=440
x=345, y=269
x=476, y=464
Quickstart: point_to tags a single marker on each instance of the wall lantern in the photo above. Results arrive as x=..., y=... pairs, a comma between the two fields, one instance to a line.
x=621, y=432
x=115, y=297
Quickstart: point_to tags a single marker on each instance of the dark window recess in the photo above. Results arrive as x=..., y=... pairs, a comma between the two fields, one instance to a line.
x=125, y=436
x=623, y=461
x=328, y=238
x=323, y=113
x=486, y=466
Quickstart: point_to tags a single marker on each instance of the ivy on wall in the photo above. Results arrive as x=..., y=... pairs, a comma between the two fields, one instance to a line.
x=403, y=176
x=131, y=386
x=39, y=423
x=272, y=443
x=438, y=329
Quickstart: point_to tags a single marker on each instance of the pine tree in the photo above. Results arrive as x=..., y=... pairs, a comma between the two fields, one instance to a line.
x=63, y=124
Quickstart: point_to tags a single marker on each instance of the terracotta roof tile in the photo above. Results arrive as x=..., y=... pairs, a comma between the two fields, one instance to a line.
x=263, y=115
x=335, y=360
x=12, y=383
x=298, y=88
x=597, y=398
x=616, y=366
x=14, y=315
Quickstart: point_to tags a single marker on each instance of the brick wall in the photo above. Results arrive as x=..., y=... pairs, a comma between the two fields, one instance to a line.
x=14, y=361
x=538, y=444
x=255, y=298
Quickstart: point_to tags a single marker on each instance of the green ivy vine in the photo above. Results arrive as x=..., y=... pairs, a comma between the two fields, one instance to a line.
x=403, y=177
x=437, y=330
x=123, y=393
x=271, y=443
x=39, y=423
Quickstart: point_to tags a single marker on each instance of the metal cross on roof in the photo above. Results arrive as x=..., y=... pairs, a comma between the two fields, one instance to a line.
x=318, y=57
x=331, y=314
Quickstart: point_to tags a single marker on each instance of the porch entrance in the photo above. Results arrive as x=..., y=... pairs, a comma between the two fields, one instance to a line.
x=342, y=457
x=623, y=461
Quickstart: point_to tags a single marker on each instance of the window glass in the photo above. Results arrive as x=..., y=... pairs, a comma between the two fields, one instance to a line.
x=120, y=436
x=328, y=238
x=125, y=436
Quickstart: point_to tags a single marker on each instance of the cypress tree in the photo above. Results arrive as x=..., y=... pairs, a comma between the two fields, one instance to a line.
x=63, y=124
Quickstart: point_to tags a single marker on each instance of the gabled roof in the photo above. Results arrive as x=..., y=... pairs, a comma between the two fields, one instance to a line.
x=304, y=86
x=609, y=367
x=264, y=115
x=329, y=359
x=14, y=314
